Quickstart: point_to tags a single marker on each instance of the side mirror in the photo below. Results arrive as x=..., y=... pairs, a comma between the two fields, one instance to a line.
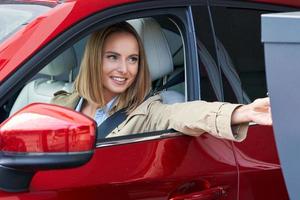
x=40, y=137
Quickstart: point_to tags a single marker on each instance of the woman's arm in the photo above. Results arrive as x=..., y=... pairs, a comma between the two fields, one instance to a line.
x=259, y=111
x=220, y=119
x=197, y=117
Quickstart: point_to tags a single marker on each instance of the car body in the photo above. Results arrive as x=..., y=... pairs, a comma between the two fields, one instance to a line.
x=160, y=165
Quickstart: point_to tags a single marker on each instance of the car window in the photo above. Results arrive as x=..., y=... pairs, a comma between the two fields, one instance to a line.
x=60, y=73
x=15, y=16
x=241, y=53
x=210, y=74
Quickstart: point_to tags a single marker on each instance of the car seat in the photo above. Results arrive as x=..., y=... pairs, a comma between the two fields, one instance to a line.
x=158, y=54
x=43, y=88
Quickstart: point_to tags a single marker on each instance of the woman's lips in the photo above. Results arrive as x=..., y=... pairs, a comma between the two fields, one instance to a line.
x=118, y=80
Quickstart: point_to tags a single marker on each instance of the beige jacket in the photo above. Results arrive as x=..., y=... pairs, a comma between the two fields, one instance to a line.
x=191, y=118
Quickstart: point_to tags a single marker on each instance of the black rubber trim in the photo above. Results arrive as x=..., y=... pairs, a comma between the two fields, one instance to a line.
x=13, y=180
x=17, y=169
x=136, y=136
x=248, y=5
x=214, y=36
x=43, y=161
x=254, y=5
x=192, y=71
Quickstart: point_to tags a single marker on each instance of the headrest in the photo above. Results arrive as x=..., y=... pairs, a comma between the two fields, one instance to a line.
x=176, y=46
x=64, y=62
x=158, y=53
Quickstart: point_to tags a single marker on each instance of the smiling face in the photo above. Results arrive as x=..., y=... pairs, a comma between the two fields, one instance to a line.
x=114, y=64
x=120, y=62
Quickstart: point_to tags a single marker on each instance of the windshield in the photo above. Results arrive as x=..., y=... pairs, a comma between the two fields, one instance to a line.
x=14, y=16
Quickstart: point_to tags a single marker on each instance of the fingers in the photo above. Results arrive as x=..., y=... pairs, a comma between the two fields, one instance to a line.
x=261, y=105
x=266, y=101
x=262, y=101
x=263, y=111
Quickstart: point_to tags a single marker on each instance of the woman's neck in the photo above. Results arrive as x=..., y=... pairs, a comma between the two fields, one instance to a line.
x=89, y=108
x=108, y=97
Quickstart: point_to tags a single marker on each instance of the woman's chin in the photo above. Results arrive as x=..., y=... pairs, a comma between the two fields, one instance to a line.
x=117, y=90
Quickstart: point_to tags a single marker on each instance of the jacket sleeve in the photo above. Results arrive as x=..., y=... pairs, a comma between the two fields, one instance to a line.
x=65, y=99
x=197, y=117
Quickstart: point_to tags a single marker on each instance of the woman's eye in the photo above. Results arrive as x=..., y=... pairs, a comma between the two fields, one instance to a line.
x=112, y=57
x=133, y=60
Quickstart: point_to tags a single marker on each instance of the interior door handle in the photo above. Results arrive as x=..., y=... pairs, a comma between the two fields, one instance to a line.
x=208, y=194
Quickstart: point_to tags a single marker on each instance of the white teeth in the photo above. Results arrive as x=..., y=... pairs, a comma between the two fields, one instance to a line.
x=118, y=79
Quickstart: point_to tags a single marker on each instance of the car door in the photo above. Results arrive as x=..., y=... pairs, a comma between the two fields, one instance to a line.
x=157, y=165
x=241, y=58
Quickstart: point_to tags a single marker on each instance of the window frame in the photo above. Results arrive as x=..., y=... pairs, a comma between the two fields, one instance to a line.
x=179, y=13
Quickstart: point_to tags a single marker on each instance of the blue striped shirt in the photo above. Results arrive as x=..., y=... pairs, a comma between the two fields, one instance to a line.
x=101, y=114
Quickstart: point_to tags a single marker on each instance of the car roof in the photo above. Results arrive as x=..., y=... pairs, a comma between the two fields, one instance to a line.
x=292, y=3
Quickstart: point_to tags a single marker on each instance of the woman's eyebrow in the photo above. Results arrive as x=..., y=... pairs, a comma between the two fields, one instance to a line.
x=112, y=52
x=115, y=53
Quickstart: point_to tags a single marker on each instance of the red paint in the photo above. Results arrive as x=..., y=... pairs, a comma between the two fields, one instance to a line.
x=291, y=3
x=158, y=169
x=259, y=166
x=41, y=128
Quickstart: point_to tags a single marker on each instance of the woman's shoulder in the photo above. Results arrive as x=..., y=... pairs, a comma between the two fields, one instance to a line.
x=143, y=108
x=65, y=99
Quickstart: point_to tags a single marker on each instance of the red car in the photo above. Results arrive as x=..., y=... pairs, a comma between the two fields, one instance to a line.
x=209, y=50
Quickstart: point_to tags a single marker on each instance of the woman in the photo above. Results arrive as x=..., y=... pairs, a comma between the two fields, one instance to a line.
x=114, y=75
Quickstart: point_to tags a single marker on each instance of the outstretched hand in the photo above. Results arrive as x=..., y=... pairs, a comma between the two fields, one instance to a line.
x=259, y=111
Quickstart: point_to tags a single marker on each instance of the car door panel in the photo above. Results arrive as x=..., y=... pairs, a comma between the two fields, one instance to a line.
x=156, y=169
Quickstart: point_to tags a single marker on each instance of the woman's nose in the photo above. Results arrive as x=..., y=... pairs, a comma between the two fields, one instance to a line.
x=123, y=68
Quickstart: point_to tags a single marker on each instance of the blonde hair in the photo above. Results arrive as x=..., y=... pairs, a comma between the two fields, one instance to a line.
x=88, y=83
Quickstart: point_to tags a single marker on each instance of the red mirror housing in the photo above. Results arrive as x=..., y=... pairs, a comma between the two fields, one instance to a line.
x=43, y=136
x=42, y=128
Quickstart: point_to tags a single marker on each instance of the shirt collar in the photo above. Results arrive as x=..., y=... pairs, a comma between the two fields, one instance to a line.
x=110, y=105
x=106, y=108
